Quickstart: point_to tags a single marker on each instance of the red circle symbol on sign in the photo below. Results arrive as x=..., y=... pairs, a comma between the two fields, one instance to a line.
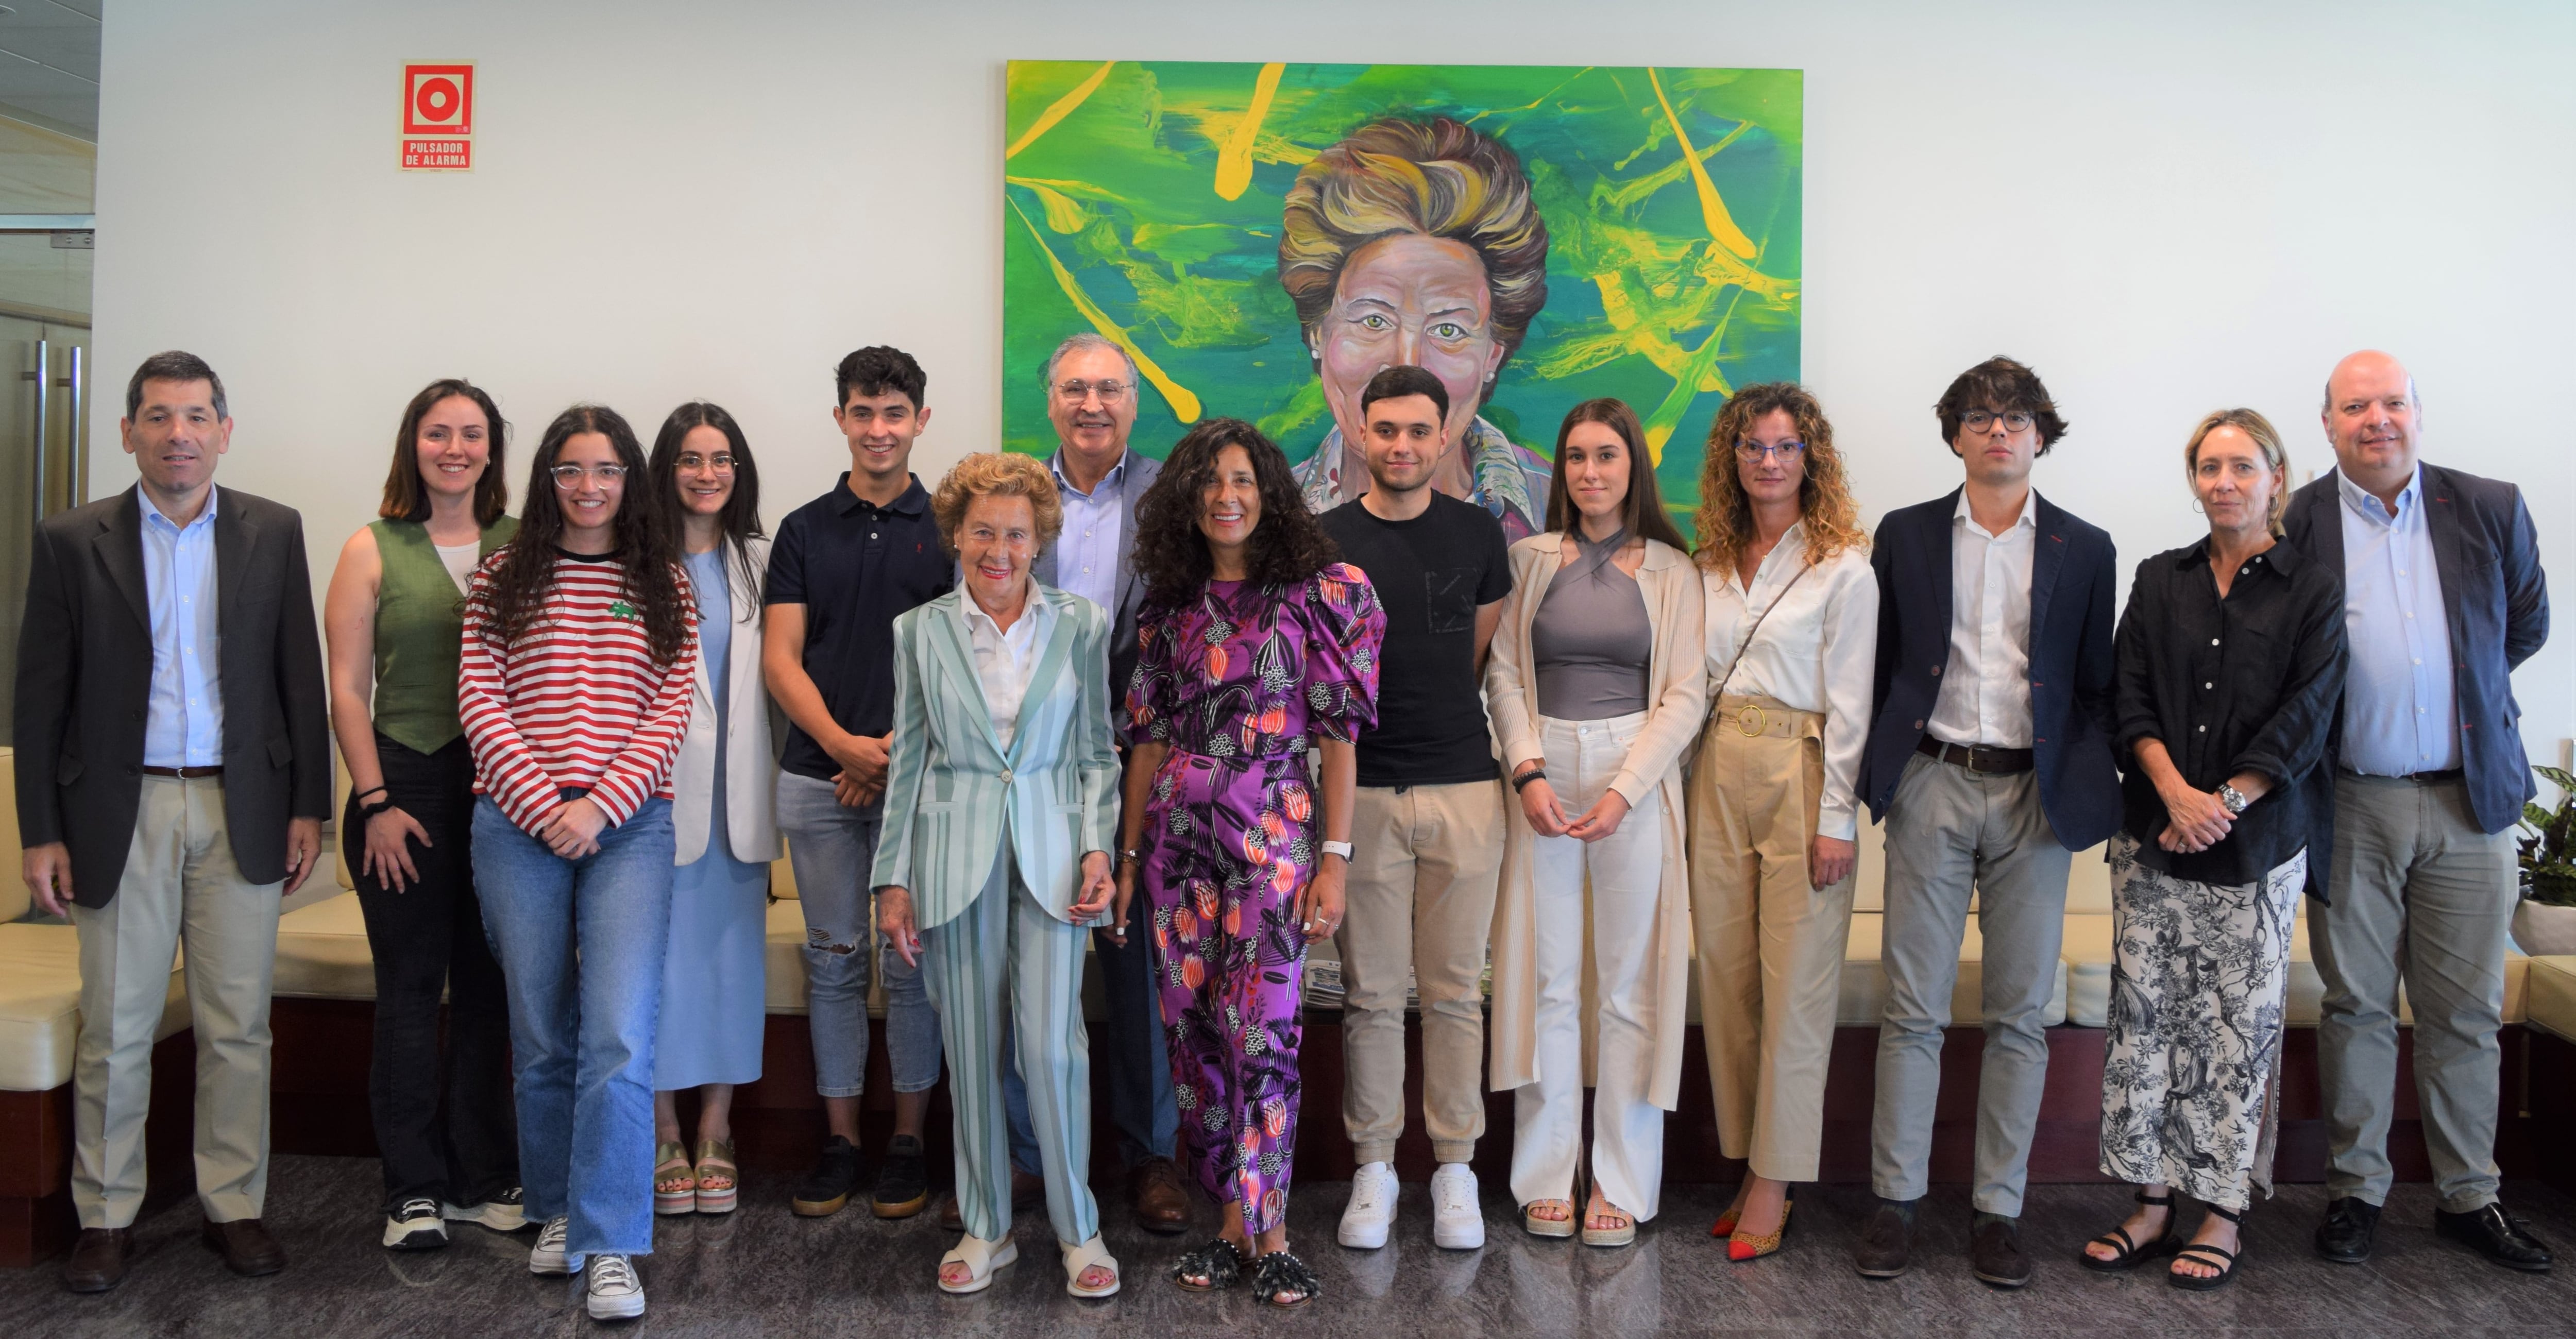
x=437, y=99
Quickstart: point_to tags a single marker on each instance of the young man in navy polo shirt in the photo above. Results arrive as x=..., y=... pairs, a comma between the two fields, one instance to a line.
x=843, y=566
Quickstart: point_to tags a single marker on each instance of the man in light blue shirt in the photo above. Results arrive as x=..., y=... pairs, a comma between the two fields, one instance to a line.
x=184, y=725
x=2398, y=714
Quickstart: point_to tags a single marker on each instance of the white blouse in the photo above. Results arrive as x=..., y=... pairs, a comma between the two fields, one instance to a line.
x=1816, y=650
x=1004, y=660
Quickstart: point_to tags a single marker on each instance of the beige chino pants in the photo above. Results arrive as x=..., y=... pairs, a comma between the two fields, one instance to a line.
x=180, y=886
x=1770, y=944
x=1425, y=862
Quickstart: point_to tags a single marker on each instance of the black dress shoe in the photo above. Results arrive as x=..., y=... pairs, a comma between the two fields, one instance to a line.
x=1886, y=1243
x=1994, y=1251
x=2495, y=1234
x=99, y=1259
x=2344, y=1237
x=247, y=1248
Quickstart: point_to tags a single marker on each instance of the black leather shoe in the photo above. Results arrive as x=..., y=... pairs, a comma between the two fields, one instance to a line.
x=2344, y=1237
x=2495, y=1234
x=99, y=1259
x=1886, y=1243
x=246, y=1247
x=1994, y=1251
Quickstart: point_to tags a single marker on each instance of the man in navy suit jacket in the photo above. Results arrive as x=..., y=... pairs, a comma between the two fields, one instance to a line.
x=2443, y=597
x=1989, y=759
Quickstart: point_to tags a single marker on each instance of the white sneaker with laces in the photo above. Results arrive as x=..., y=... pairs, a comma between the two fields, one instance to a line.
x=615, y=1292
x=549, y=1256
x=1372, y=1208
x=415, y=1226
x=1457, y=1218
x=501, y=1213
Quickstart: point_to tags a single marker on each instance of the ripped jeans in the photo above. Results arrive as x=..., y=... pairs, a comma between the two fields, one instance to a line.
x=831, y=848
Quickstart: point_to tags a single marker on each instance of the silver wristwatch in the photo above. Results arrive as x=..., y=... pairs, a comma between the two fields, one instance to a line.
x=2233, y=800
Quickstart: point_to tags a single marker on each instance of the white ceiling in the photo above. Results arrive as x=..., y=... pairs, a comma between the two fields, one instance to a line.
x=49, y=64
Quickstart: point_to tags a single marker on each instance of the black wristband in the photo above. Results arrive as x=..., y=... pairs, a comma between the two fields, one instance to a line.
x=367, y=811
x=1521, y=782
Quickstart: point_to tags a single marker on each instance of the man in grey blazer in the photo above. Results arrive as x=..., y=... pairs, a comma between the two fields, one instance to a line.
x=1092, y=392
x=173, y=774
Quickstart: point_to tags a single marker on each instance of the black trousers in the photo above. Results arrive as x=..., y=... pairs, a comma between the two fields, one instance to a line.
x=444, y=1122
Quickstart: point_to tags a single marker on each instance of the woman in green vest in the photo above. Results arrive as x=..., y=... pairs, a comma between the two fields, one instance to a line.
x=394, y=620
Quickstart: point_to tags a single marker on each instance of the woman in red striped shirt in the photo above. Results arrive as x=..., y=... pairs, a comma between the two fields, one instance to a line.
x=580, y=653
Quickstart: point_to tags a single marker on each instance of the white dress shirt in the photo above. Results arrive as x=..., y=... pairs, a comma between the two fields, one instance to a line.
x=1985, y=689
x=1816, y=650
x=1003, y=660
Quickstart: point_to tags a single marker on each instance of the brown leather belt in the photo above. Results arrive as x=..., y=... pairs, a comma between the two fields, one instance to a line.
x=184, y=773
x=1979, y=759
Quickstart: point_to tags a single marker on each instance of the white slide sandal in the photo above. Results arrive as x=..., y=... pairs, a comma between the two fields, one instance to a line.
x=981, y=1258
x=1082, y=1257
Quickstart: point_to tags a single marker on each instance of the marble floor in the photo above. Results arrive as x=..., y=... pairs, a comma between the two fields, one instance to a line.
x=763, y=1272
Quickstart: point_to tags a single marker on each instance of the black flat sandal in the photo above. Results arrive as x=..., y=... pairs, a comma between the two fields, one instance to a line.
x=1279, y=1272
x=2224, y=1258
x=1218, y=1262
x=2131, y=1254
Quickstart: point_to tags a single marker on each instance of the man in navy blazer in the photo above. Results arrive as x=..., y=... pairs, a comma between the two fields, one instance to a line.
x=2443, y=597
x=1989, y=759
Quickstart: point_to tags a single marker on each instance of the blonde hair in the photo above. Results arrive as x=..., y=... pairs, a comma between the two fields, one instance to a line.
x=1825, y=506
x=993, y=474
x=2253, y=425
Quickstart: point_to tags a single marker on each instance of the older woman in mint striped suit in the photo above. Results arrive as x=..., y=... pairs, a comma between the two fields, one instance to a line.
x=1001, y=800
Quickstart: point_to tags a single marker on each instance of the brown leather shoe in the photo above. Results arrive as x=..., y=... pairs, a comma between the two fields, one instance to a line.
x=1886, y=1242
x=246, y=1247
x=1162, y=1202
x=1995, y=1254
x=98, y=1259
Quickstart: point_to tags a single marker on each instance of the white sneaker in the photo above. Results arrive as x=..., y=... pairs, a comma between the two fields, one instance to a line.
x=415, y=1227
x=501, y=1213
x=1372, y=1208
x=548, y=1257
x=615, y=1292
x=1457, y=1218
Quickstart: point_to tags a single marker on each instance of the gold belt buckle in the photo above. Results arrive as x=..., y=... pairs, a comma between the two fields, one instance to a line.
x=1750, y=721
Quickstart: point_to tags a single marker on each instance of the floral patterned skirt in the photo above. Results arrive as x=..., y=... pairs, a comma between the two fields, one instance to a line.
x=2191, y=1090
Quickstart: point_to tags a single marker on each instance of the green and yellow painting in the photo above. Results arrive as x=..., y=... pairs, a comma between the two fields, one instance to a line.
x=1261, y=239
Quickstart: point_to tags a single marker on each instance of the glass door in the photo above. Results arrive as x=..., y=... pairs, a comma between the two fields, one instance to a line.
x=44, y=457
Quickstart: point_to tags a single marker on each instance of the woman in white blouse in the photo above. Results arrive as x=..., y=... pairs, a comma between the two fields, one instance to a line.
x=1792, y=639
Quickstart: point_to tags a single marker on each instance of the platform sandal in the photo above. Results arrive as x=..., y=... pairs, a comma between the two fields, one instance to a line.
x=981, y=1258
x=2224, y=1258
x=2131, y=1254
x=715, y=1165
x=1082, y=1259
x=675, y=1183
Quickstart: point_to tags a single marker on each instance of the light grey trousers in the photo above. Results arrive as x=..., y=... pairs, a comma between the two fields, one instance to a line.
x=1950, y=832
x=2419, y=896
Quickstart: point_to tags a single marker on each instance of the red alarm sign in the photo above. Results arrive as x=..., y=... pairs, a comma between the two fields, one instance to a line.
x=438, y=117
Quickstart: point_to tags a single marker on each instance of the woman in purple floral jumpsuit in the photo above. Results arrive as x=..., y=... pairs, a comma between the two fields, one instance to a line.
x=1253, y=642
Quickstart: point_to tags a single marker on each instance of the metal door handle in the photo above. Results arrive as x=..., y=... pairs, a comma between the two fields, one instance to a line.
x=44, y=435
x=79, y=434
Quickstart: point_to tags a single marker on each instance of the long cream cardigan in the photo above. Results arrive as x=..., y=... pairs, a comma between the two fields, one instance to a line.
x=1677, y=687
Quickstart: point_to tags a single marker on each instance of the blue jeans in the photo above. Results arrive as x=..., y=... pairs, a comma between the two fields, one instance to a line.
x=581, y=944
x=831, y=847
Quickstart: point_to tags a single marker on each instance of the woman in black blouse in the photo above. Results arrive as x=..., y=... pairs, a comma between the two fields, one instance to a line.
x=2231, y=656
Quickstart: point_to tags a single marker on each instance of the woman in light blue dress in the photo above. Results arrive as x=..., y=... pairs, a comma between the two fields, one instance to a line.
x=726, y=833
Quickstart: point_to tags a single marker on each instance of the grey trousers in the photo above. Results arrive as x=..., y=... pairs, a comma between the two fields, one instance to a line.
x=2421, y=896
x=1949, y=832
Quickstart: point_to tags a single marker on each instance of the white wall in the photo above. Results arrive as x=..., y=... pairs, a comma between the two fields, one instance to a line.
x=2166, y=209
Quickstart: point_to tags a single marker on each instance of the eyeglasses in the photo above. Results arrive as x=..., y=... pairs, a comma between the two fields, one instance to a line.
x=721, y=462
x=1978, y=420
x=569, y=476
x=1751, y=452
x=1075, y=392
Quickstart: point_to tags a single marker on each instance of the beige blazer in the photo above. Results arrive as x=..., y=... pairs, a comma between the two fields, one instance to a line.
x=1677, y=691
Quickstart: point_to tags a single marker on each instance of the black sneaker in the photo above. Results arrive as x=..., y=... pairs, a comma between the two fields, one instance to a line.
x=415, y=1226
x=903, y=1184
x=825, y=1189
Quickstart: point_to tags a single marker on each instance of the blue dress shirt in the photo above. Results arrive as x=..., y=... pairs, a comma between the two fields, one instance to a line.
x=1086, y=556
x=184, y=726
x=2400, y=714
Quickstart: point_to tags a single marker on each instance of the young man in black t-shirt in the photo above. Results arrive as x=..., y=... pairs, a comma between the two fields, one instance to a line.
x=1427, y=831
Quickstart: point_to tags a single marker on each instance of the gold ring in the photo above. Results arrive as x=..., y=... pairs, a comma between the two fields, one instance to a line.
x=1751, y=722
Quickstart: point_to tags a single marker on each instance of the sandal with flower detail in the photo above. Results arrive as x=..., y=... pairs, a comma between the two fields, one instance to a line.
x=718, y=1179
x=675, y=1183
x=1280, y=1274
x=1211, y=1268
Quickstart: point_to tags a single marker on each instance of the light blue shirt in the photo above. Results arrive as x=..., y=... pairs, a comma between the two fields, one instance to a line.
x=1086, y=553
x=2400, y=715
x=184, y=723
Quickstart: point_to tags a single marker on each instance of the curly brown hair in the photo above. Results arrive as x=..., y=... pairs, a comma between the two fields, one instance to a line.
x=523, y=570
x=1288, y=544
x=1825, y=506
x=994, y=474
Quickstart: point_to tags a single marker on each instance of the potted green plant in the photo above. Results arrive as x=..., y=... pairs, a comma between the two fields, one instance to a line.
x=2544, y=924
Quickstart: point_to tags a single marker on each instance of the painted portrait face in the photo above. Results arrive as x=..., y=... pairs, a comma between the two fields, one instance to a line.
x=1416, y=301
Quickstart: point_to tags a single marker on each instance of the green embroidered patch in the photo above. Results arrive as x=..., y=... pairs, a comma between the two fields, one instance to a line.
x=622, y=609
